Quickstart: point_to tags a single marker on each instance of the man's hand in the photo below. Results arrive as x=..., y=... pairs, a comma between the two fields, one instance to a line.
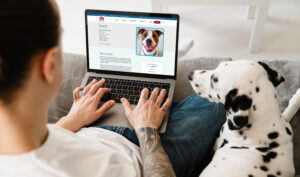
x=146, y=118
x=148, y=112
x=85, y=109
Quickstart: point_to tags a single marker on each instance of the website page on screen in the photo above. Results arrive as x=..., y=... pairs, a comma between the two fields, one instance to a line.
x=132, y=44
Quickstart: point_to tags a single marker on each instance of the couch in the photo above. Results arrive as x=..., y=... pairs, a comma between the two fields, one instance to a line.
x=75, y=68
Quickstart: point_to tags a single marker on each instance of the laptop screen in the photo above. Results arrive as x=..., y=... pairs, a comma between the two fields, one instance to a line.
x=132, y=43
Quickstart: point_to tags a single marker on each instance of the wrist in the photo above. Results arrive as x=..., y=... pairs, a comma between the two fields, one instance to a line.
x=68, y=122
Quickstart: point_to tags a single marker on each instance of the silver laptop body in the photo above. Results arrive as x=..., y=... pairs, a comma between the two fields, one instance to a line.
x=135, y=46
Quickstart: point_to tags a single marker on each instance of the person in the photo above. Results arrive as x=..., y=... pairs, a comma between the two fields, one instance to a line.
x=30, y=76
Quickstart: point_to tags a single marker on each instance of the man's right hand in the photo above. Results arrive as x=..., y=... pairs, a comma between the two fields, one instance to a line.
x=148, y=112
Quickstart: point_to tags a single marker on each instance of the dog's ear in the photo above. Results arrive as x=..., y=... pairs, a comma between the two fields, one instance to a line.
x=159, y=32
x=237, y=108
x=141, y=31
x=273, y=75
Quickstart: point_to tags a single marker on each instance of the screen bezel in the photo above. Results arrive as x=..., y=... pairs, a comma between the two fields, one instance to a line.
x=142, y=14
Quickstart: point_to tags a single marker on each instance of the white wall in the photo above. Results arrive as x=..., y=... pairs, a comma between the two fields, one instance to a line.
x=72, y=15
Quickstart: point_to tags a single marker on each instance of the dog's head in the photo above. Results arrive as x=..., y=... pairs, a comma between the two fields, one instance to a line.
x=150, y=38
x=236, y=84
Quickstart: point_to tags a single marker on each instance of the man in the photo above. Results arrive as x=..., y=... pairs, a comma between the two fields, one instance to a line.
x=30, y=76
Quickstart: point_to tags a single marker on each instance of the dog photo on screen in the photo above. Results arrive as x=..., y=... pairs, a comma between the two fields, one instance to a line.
x=149, y=41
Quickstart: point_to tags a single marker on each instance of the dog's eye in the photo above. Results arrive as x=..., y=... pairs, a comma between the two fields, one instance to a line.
x=153, y=35
x=145, y=35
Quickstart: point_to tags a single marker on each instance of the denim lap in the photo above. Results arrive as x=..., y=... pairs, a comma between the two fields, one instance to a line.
x=192, y=129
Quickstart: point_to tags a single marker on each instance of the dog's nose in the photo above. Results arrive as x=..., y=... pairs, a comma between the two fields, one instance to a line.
x=240, y=121
x=148, y=42
x=191, y=76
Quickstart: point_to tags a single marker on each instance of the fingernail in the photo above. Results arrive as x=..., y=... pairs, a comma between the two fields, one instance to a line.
x=94, y=80
x=112, y=102
x=122, y=99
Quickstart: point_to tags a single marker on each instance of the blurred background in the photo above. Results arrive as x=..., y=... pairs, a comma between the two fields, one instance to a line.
x=217, y=30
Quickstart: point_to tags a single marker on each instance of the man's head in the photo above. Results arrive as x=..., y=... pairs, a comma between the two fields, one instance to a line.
x=29, y=47
x=239, y=85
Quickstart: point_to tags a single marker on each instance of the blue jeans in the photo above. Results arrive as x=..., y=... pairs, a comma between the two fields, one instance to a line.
x=192, y=129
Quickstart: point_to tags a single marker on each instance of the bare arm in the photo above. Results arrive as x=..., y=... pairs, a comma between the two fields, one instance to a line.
x=146, y=119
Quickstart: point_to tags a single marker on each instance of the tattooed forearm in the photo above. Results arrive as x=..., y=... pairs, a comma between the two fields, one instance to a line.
x=156, y=161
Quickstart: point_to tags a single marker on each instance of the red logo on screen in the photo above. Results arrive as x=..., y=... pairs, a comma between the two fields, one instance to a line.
x=101, y=18
x=157, y=22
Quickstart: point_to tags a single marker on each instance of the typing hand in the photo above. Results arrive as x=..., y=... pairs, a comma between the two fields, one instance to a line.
x=148, y=112
x=85, y=109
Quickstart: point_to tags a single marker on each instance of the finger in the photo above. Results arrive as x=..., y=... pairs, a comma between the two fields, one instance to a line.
x=104, y=108
x=100, y=93
x=76, y=92
x=166, y=105
x=161, y=97
x=144, y=96
x=154, y=94
x=88, y=87
x=127, y=106
x=96, y=87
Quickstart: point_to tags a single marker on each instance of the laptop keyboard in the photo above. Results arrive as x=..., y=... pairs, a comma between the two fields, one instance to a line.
x=130, y=89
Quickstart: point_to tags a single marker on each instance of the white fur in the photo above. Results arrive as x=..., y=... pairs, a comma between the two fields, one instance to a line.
x=266, y=118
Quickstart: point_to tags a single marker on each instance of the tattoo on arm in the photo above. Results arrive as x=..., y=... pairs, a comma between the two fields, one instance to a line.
x=156, y=160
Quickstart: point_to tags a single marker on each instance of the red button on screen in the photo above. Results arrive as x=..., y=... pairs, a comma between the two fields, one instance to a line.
x=157, y=22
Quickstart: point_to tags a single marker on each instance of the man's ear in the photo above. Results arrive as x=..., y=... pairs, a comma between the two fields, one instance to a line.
x=141, y=31
x=48, y=65
x=273, y=75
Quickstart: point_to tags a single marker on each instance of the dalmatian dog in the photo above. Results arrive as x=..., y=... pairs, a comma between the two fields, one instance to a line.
x=256, y=139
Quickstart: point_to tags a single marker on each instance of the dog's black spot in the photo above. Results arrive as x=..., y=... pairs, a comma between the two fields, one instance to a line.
x=269, y=175
x=249, y=125
x=209, y=96
x=196, y=85
x=273, y=135
x=250, y=93
x=257, y=89
x=245, y=137
x=241, y=102
x=263, y=149
x=288, y=131
x=264, y=168
x=275, y=96
x=199, y=93
x=231, y=126
x=237, y=147
x=224, y=143
x=273, y=144
x=278, y=173
x=272, y=155
x=222, y=129
x=240, y=121
x=202, y=72
x=266, y=159
x=254, y=108
x=250, y=176
x=255, y=167
x=241, y=132
x=273, y=124
x=218, y=96
x=251, y=82
x=215, y=79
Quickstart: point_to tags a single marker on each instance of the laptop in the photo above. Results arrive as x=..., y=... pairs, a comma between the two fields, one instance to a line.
x=132, y=51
